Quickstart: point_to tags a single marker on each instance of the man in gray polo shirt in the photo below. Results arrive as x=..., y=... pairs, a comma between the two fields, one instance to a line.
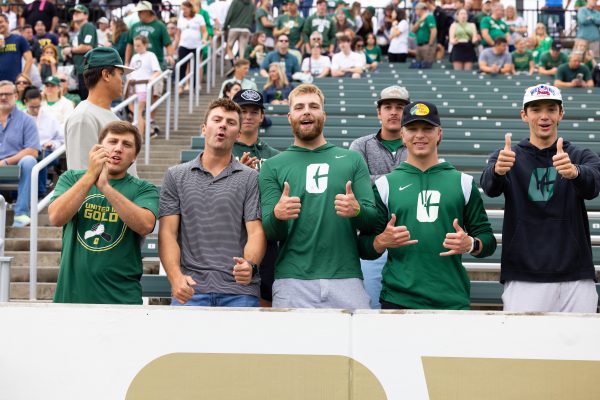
x=382, y=151
x=211, y=237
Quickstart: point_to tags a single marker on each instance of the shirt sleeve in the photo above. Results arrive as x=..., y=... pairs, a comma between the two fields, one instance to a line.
x=493, y=185
x=65, y=181
x=31, y=135
x=154, y=64
x=169, y=203
x=252, y=210
x=361, y=186
x=365, y=240
x=147, y=197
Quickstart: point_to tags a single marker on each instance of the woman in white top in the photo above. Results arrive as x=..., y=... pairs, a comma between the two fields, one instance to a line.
x=516, y=25
x=54, y=103
x=398, y=49
x=317, y=64
x=191, y=34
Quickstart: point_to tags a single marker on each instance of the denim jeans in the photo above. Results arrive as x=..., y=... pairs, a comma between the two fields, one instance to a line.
x=43, y=177
x=219, y=300
x=23, y=197
x=371, y=270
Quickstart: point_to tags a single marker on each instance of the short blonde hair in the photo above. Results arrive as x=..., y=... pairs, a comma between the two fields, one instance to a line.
x=306, y=88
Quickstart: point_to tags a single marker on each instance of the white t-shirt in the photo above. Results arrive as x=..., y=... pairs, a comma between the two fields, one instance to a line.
x=102, y=37
x=49, y=129
x=399, y=44
x=218, y=11
x=59, y=110
x=145, y=65
x=352, y=60
x=191, y=36
x=316, y=67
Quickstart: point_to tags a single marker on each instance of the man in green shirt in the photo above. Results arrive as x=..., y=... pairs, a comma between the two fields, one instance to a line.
x=425, y=29
x=425, y=209
x=573, y=74
x=314, y=197
x=105, y=213
x=522, y=59
x=322, y=23
x=85, y=40
x=551, y=60
x=494, y=26
x=291, y=24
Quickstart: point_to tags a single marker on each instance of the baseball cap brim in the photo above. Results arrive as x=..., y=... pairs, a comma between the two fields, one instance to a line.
x=381, y=101
x=126, y=70
x=423, y=119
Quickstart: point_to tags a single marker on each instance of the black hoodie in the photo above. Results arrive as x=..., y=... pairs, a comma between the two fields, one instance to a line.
x=545, y=235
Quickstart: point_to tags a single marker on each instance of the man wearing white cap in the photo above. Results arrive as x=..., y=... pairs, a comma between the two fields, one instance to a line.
x=546, y=260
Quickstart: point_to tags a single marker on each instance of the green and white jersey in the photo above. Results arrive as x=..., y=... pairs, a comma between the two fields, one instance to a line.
x=260, y=149
x=427, y=202
x=87, y=35
x=319, y=244
x=101, y=260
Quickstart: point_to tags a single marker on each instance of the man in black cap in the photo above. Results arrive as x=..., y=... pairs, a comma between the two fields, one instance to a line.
x=86, y=40
x=425, y=209
x=552, y=59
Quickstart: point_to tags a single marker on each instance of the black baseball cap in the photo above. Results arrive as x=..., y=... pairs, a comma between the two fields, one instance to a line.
x=420, y=111
x=556, y=45
x=249, y=97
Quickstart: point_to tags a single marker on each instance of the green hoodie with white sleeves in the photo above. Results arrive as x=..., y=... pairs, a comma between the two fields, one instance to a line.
x=427, y=202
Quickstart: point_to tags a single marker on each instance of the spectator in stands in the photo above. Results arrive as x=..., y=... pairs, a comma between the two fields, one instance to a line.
x=119, y=36
x=425, y=242
x=85, y=41
x=49, y=130
x=265, y=22
x=240, y=73
x=240, y=18
x=463, y=37
x=425, y=29
x=103, y=74
x=44, y=38
x=230, y=89
x=210, y=263
x=218, y=12
x=7, y=9
x=291, y=25
x=368, y=24
x=497, y=59
x=40, y=10
x=582, y=46
x=553, y=16
x=551, y=60
x=494, y=26
x=346, y=63
x=48, y=62
x=191, y=34
x=444, y=17
x=256, y=51
x=544, y=42
x=64, y=86
x=172, y=31
x=342, y=22
x=383, y=152
x=314, y=196
x=588, y=26
x=64, y=49
x=398, y=38
x=20, y=146
x=22, y=82
x=54, y=103
x=542, y=271
x=27, y=33
x=358, y=47
x=516, y=26
x=277, y=88
x=103, y=31
x=486, y=10
x=573, y=73
x=317, y=64
x=316, y=38
x=522, y=59
x=372, y=49
x=105, y=214
x=281, y=55
x=320, y=22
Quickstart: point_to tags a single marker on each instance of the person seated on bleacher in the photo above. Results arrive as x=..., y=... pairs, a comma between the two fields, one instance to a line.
x=546, y=263
x=230, y=89
x=105, y=213
x=497, y=59
x=552, y=59
x=20, y=146
x=318, y=65
x=54, y=103
x=522, y=59
x=425, y=209
x=320, y=22
x=240, y=72
x=281, y=55
x=346, y=63
x=358, y=46
x=573, y=74
x=278, y=88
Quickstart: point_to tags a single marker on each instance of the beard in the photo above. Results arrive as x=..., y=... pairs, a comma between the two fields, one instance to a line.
x=307, y=135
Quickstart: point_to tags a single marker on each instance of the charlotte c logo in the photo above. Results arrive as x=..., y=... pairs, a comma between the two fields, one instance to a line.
x=541, y=184
x=316, y=178
x=428, y=205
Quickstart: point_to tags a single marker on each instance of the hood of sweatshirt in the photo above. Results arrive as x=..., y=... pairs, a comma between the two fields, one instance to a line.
x=541, y=155
x=320, y=149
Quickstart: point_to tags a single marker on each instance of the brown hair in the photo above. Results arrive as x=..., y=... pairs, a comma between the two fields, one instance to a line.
x=240, y=62
x=50, y=46
x=306, y=88
x=119, y=28
x=225, y=104
x=190, y=6
x=122, y=128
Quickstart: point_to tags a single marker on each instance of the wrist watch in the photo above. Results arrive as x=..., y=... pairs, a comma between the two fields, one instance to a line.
x=254, y=267
x=476, y=246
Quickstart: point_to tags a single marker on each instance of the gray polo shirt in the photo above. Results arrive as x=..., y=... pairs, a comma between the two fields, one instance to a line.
x=212, y=229
x=380, y=160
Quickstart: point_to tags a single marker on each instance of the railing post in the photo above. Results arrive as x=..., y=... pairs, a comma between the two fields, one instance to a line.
x=176, y=116
x=222, y=52
x=213, y=60
x=33, y=232
x=168, y=107
x=5, y=279
x=198, y=84
x=191, y=91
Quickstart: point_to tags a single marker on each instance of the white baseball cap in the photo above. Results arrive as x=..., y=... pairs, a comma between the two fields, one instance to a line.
x=541, y=92
x=144, y=6
x=394, y=93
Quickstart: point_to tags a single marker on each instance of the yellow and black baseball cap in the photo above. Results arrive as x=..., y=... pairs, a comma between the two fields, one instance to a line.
x=421, y=111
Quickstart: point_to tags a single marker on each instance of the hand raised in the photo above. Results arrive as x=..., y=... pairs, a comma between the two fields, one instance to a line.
x=506, y=157
x=98, y=156
x=562, y=162
x=392, y=237
x=248, y=160
x=346, y=205
x=457, y=242
x=287, y=207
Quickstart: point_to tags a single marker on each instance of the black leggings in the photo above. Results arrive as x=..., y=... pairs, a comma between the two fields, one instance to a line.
x=181, y=53
x=397, y=57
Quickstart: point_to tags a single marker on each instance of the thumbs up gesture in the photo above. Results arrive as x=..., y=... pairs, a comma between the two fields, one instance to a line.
x=242, y=271
x=392, y=237
x=346, y=205
x=562, y=162
x=287, y=207
x=506, y=158
x=457, y=242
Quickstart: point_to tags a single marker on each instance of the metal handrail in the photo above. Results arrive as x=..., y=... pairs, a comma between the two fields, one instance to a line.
x=35, y=208
x=153, y=106
x=199, y=66
x=125, y=103
x=221, y=52
x=179, y=84
x=4, y=267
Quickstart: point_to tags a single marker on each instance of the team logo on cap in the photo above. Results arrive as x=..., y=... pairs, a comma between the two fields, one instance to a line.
x=250, y=95
x=542, y=90
x=419, y=109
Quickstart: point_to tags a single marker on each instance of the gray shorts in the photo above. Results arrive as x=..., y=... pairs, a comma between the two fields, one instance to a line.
x=573, y=296
x=346, y=294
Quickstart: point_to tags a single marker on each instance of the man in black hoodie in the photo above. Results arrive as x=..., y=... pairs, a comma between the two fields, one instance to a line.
x=547, y=261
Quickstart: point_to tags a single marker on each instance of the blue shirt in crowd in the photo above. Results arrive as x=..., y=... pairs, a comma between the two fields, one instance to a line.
x=19, y=133
x=10, y=57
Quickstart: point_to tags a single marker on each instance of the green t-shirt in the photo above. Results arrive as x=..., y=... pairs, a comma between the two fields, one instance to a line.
x=495, y=27
x=548, y=62
x=566, y=74
x=521, y=60
x=101, y=259
x=424, y=31
x=323, y=25
x=73, y=97
x=375, y=53
x=259, y=149
x=158, y=37
x=261, y=12
x=319, y=244
x=295, y=24
x=543, y=46
x=86, y=35
x=392, y=145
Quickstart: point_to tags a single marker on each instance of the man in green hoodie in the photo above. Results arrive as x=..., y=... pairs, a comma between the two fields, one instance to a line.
x=238, y=22
x=314, y=196
x=425, y=209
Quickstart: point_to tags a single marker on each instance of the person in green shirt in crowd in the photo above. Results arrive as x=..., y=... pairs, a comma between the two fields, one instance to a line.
x=486, y=9
x=522, y=58
x=425, y=29
x=494, y=26
x=543, y=42
x=291, y=24
x=372, y=49
x=85, y=41
x=322, y=23
x=105, y=213
x=573, y=74
x=551, y=60
x=264, y=21
x=314, y=196
x=425, y=209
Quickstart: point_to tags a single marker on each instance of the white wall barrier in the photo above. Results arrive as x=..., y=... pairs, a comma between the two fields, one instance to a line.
x=151, y=353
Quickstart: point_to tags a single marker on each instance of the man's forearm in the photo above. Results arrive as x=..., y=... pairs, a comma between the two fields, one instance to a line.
x=81, y=49
x=13, y=160
x=255, y=247
x=62, y=210
x=170, y=254
x=138, y=219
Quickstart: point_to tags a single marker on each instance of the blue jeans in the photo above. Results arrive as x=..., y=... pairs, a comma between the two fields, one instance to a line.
x=219, y=300
x=23, y=197
x=43, y=177
x=371, y=270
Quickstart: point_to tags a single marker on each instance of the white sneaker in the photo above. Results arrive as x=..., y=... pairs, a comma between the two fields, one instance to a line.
x=21, y=221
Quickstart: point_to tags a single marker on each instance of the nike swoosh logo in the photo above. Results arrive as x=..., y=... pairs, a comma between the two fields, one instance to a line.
x=340, y=156
x=401, y=188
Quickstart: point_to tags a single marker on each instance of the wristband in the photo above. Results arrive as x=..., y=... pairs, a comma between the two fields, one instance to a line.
x=472, y=244
x=358, y=211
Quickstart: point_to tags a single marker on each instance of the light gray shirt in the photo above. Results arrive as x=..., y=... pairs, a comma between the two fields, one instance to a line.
x=379, y=159
x=492, y=58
